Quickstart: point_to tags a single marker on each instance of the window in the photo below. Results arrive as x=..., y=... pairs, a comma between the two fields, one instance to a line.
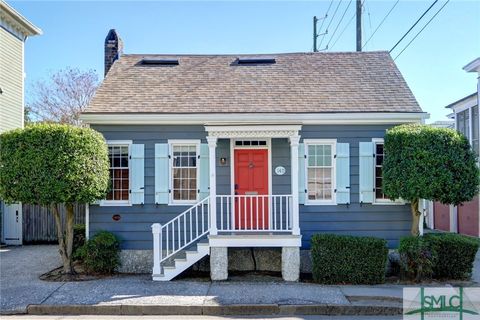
x=475, y=133
x=463, y=123
x=184, y=172
x=250, y=143
x=320, y=171
x=379, y=156
x=119, y=187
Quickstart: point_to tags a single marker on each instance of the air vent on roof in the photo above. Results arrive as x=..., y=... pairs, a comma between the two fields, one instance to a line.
x=253, y=60
x=160, y=62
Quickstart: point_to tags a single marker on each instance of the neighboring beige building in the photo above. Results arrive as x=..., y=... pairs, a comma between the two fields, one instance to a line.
x=14, y=30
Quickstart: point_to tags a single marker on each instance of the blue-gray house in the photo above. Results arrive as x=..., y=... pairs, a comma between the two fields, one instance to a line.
x=214, y=152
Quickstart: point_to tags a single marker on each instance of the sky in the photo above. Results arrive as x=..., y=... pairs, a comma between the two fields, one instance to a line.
x=74, y=34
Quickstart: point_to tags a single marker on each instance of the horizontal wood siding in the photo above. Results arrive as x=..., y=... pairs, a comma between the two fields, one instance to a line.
x=134, y=226
x=11, y=81
x=386, y=221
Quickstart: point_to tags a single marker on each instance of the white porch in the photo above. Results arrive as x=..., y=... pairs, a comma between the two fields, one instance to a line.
x=221, y=221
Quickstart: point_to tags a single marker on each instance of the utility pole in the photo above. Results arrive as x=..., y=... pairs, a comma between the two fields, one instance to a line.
x=315, y=36
x=359, y=25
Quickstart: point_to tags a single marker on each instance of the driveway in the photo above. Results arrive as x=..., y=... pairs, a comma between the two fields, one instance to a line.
x=20, y=268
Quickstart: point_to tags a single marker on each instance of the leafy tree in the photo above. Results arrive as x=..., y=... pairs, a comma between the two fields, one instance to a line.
x=50, y=164
x=423, y=162
x=63, y=96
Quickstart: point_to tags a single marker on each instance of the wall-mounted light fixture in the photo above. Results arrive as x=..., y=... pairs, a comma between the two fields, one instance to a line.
x=223, y=161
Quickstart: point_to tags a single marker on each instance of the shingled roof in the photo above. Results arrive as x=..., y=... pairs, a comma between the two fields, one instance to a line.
x=296, y=83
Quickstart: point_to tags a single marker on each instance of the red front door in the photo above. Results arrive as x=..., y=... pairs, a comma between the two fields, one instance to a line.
x=251, y=179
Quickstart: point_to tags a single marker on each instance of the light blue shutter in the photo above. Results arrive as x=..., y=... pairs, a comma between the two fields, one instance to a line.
x=204, y=168
x=366, y=172
x=162, y=181
x=137, y=190
x=301, y=174
x=343, y=173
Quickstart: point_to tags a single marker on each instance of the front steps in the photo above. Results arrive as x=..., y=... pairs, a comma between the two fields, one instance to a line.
x=182, y=261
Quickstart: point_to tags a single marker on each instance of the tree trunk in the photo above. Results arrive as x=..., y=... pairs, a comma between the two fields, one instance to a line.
x=63, y=244
x=415, y=218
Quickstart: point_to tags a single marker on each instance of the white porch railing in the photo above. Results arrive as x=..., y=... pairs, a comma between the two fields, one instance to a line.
x=265, y=213
x=181, y=231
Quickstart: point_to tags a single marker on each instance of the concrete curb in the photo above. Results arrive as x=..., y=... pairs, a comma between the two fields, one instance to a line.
x=265, y=309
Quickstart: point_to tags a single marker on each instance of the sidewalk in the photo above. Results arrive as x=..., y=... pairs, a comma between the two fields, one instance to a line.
x=139, y=295
x=22, y=292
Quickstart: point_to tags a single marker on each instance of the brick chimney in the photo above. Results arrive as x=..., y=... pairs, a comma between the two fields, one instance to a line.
x=113, y=49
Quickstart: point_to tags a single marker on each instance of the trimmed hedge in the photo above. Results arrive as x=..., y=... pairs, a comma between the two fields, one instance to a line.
x=100, y=254
x=456, y=255
x=348, y=259
x=417, y=258
x=438, y=255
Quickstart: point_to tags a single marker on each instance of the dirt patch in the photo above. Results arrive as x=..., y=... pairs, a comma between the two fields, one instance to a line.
x=57, y=275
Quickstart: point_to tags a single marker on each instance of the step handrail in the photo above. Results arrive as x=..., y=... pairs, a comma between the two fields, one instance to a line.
x=175, y=230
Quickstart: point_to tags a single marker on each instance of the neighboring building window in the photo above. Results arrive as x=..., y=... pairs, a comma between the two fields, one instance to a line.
x=184, y=172
x=119, y=173
x=463, y=123
x=379, y=156
x=475, y=132
x=320, y=171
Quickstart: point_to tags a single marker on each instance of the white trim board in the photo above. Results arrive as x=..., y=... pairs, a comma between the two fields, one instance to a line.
x=256, y=118
x=286, y=240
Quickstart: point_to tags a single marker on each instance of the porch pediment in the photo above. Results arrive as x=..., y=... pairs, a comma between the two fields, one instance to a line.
x=253, y=131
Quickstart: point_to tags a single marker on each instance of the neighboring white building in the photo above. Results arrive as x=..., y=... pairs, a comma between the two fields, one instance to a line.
x=14, y=31
x=443, y=124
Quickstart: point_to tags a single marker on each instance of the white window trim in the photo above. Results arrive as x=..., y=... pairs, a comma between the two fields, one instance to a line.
x=180, y=142
x=375, y=200
x=333, y=143
x=121, y=203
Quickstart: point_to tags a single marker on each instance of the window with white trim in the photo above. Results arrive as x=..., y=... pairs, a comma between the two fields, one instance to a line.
x=320, y=171
x=463, y=123
x=184, y=172
x=119, y=187
x=379, y=156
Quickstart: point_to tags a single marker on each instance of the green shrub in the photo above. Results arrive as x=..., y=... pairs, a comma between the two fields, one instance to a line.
x=100, y=254
x=424, y=162
x=78, y=239
x=50, y=164
x=417, y=258
x=456, y=255
x=348, y=259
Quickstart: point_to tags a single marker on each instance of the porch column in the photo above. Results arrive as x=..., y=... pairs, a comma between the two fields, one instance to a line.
x=212, y=145
x=294, y=142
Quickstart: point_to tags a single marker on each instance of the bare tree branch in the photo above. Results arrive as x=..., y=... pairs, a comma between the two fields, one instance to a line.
x=63, y=96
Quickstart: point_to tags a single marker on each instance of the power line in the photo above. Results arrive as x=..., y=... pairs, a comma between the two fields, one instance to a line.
x=326, y=15
x=413, y=25
x=422, y=29
x=380, y=24
x=345, y=28
x=369, y=19
x=334, y=13
x=341, y=19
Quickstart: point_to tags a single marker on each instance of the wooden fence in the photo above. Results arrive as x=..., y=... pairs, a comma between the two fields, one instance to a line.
x=39, y=223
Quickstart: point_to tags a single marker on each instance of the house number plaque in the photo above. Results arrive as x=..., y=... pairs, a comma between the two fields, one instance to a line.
x=280, y=171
